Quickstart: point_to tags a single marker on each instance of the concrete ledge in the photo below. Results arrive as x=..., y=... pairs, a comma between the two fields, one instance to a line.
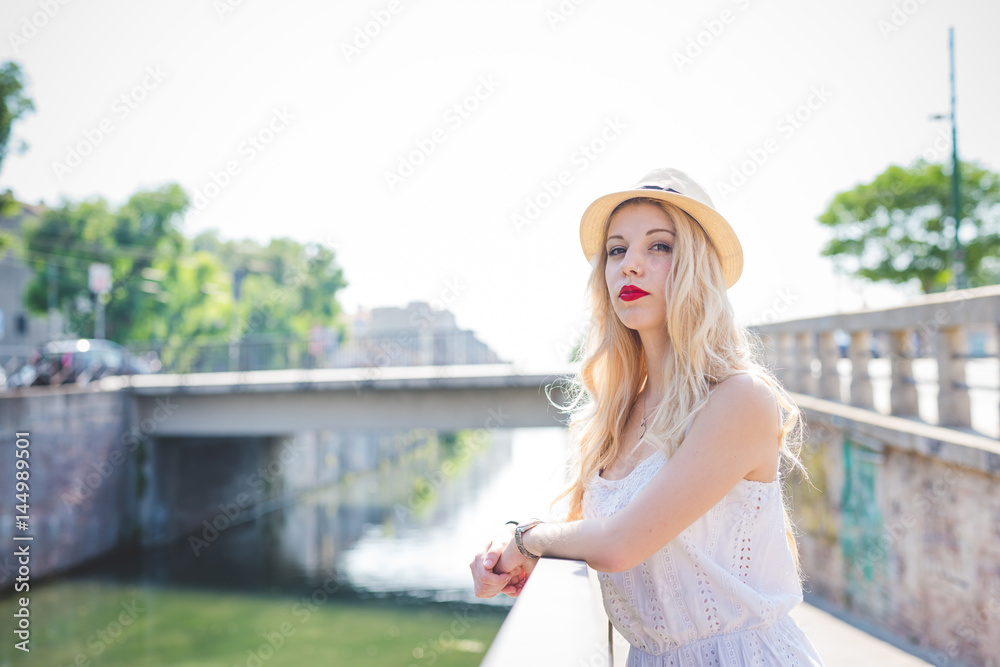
x=338, y=379
x=963, y=448
x=960, y=307
x=557, y=620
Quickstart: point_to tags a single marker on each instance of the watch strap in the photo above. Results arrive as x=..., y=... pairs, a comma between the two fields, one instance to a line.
x=519, y=531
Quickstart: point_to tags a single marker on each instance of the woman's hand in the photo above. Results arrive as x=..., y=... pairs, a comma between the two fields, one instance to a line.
x=487, y=575
x=512, y=560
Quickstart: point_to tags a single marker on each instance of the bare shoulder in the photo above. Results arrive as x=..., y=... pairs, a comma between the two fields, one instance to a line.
x=749, y=402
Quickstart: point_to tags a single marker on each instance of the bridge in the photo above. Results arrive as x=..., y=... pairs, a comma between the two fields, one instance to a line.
x=271, y=402
x=899, y=522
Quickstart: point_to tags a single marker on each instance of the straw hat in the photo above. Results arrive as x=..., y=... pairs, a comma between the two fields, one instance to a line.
x=679, y=189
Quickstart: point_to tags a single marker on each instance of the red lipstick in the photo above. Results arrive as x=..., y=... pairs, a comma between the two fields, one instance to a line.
x=631, y=293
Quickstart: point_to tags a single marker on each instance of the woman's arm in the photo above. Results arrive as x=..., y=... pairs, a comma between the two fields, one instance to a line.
x=735, y=436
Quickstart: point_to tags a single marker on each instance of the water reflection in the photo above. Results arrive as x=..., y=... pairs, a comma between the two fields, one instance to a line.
x=400, y=529
x=430, y=555
x=386, y=548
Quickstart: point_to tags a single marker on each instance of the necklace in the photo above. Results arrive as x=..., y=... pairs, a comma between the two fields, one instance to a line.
x=643, y=422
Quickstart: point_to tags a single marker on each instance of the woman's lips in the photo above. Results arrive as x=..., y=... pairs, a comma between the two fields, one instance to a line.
x=631, y=293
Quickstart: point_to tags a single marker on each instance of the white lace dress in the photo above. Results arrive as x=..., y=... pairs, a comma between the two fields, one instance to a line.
x=719, y=593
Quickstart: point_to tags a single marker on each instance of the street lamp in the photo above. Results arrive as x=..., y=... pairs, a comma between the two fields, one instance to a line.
x=958, y=254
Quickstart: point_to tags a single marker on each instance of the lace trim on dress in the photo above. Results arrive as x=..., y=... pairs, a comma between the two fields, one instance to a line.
x=743, y=551
x=658, y=620
x=621, y=614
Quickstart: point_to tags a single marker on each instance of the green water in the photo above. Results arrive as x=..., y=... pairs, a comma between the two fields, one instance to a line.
x=90, y=624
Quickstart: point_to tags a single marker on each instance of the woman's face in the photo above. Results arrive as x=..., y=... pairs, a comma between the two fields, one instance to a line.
x=640, y=252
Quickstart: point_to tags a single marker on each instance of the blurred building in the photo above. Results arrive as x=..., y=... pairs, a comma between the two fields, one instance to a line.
x=416, y=335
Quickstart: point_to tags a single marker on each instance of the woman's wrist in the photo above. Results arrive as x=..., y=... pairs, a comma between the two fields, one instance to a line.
x=520, y=532
x=531, y=545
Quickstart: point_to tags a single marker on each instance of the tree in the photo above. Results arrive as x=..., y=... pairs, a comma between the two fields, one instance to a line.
x=129, y=239
x=6, y=241
x=287, y=287
x=170, y=290
x=900, y=226
x=13, y=105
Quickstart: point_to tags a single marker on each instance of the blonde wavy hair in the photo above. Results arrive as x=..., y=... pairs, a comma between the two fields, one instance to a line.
x=707, y=346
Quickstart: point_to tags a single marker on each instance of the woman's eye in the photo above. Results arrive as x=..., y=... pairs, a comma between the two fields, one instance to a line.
x=614, y=251
x=662, y=246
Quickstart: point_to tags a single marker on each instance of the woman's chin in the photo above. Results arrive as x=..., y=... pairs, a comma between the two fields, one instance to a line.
x=639, y=322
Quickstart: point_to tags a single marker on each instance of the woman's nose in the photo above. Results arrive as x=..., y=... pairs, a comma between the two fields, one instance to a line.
x=631, y=262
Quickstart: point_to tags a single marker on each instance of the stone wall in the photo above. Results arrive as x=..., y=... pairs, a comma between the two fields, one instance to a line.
x=84, y=486
x=904, y=531
x=101, y=478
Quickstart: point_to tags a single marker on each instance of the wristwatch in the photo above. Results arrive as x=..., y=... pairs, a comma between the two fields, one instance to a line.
x=519, y=531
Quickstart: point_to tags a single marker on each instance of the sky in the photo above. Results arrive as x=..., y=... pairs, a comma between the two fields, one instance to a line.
x=446, y=150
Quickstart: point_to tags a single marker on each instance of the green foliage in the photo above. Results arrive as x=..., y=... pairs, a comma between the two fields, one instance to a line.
x=899, y=227
x=130, y=239
x=170, y=289
x=9, y=206
x=287, y=287
x=188, y=296
x=13, y=105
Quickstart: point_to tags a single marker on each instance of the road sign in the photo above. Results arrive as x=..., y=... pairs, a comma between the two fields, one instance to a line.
x=100, y=278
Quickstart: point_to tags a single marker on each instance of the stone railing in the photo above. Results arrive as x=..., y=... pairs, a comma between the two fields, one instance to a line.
x=558, y=619
x=938, y=335
x=897, y=523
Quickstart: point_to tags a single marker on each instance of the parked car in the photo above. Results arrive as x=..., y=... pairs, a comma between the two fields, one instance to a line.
x=22, y=377
x=79, y=360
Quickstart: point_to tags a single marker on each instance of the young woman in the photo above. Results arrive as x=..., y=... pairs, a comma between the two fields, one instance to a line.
x=676, y=499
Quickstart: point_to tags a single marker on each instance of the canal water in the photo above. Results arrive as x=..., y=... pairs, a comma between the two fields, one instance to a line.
x=371, y=570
